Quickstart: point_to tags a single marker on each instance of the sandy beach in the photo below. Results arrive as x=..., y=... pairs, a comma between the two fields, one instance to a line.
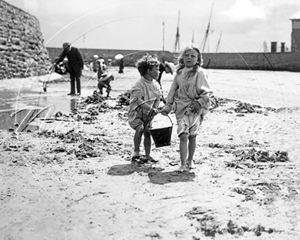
x=73, y=178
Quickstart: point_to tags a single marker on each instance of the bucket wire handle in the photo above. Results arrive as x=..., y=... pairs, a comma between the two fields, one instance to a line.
x=168, y=117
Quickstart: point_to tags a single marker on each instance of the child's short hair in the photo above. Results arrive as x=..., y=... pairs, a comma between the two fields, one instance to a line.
x=147, y=62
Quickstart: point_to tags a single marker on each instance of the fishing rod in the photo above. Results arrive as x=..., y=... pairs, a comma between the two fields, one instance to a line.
x=45, y=83
x=52, y=68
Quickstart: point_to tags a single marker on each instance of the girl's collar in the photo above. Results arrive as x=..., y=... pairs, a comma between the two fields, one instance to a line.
x=146, y=80
x=186, y=69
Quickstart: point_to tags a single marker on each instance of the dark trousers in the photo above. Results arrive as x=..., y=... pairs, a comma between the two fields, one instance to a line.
x=75, y=80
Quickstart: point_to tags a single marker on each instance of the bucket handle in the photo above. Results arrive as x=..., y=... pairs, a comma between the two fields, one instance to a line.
x=168, y=117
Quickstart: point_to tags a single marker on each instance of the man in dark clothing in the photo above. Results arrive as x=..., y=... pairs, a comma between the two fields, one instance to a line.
x=121, y=65
x=75, y=63
x=166, y=67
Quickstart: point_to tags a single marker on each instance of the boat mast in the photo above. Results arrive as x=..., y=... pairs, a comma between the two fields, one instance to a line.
x=193, y=37
x=207, y=29
x=163, y=47
x=218, y=44
x=177, y=43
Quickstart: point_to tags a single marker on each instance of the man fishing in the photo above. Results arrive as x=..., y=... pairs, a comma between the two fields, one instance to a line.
x=75, y=62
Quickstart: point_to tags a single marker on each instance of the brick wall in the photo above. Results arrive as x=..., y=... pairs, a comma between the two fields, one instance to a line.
x=22, y=52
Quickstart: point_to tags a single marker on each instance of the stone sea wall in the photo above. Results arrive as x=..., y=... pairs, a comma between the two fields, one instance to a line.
x=22, y=53
x=278, y=61
x=130, y=56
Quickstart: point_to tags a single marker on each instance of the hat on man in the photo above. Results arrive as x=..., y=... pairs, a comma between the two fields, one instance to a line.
x=66, y=45
x=171, y=66
x=96, y=56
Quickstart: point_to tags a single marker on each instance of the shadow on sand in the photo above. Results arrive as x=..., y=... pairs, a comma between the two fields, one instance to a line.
x=156, y=175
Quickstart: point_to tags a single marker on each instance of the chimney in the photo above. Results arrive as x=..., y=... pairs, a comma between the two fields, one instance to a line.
x=282, y=47
x=273, y=47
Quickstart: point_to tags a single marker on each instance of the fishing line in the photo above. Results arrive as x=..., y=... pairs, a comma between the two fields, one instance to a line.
x=44, y=45
x=52, y=66
x=267, y=61
x=84, y=34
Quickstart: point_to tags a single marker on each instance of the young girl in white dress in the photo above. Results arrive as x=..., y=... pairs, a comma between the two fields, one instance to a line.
x=189, y=98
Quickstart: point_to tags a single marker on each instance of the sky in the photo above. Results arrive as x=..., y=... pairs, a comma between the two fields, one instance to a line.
x=234, y=25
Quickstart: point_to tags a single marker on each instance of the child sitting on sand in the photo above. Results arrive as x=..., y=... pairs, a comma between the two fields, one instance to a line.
x=144, y=103
x=189, y=95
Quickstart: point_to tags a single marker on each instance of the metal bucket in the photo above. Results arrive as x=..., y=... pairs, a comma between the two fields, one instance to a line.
x=162, y=136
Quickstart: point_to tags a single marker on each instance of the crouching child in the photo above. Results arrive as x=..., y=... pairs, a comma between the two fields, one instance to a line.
x=104, y=82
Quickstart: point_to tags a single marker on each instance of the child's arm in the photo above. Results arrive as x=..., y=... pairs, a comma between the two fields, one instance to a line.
x=137, y=98
x=204, y=91
x=170, y=97
x=60, y=58
x=144, y=104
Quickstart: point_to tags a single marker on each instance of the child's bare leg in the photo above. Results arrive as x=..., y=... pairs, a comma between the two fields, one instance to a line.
x=147, y=142
x=183, y=147
x=137, y=139
x=192, y=148
x=108, y=90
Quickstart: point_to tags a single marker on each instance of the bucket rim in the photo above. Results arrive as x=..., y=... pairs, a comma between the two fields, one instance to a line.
x=161, y=128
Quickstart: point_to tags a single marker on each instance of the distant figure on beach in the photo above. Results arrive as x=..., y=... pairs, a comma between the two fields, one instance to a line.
x=189, y=96
x=121, y=65
x=101, y=67
x=75, y=65
x=104, y=78
x=144, y=103
x=93, y=65
x=166, y=67
x=104, y=82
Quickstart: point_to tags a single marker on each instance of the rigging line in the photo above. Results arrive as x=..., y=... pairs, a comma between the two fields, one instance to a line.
x=218, y=44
